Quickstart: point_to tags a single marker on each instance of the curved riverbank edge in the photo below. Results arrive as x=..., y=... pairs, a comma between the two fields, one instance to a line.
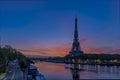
x=88, y=63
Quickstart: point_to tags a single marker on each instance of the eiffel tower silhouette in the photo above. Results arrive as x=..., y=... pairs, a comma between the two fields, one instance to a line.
x=76, y=49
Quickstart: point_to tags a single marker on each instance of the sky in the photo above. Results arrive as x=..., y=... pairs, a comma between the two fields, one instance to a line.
x=45, y=27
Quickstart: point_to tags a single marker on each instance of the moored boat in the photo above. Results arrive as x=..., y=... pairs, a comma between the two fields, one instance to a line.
x=33, y=74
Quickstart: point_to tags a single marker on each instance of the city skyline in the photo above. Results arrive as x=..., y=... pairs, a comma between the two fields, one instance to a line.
x=46, y=28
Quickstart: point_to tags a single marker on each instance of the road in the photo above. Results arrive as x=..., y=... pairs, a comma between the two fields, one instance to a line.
x=14, y=72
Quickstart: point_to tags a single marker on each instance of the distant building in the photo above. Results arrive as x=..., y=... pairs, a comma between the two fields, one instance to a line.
x=76, y=49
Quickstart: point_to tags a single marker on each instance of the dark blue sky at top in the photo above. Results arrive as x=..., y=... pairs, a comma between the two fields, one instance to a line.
x=35, y=24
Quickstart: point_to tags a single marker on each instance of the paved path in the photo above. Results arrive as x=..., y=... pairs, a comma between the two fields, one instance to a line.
x=14, y=72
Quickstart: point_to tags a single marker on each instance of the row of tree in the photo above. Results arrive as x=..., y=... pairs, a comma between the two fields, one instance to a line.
x=7, y=54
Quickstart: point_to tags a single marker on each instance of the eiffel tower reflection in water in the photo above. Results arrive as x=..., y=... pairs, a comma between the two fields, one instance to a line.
x=75, y=72
x=76, y=69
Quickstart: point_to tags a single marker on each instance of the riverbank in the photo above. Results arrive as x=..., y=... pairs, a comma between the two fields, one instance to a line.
x=85, y=63
x=85, y=59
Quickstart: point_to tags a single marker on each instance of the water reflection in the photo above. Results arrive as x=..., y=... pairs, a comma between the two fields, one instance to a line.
x=53, y=71
x=75, y=71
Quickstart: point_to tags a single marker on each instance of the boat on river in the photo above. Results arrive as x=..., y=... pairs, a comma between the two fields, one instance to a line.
x=33, y=74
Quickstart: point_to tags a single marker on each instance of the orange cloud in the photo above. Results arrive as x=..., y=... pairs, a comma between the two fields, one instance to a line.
x=60, y=51
x=50, y=52
x=97, y=51
x=88, y=46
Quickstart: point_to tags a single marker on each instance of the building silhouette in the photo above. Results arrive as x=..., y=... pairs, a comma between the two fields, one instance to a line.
x=76, y=49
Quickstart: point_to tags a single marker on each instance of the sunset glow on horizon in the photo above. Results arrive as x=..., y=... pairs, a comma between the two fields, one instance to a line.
x=46, y=27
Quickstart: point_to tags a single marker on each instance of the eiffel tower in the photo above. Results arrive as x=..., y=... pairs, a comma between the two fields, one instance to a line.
x=76, y=49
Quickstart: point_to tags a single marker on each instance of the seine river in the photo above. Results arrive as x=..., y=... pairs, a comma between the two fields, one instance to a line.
x=57, y=71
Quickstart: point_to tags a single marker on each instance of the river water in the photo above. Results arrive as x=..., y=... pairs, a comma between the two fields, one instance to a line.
x=56, y=71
